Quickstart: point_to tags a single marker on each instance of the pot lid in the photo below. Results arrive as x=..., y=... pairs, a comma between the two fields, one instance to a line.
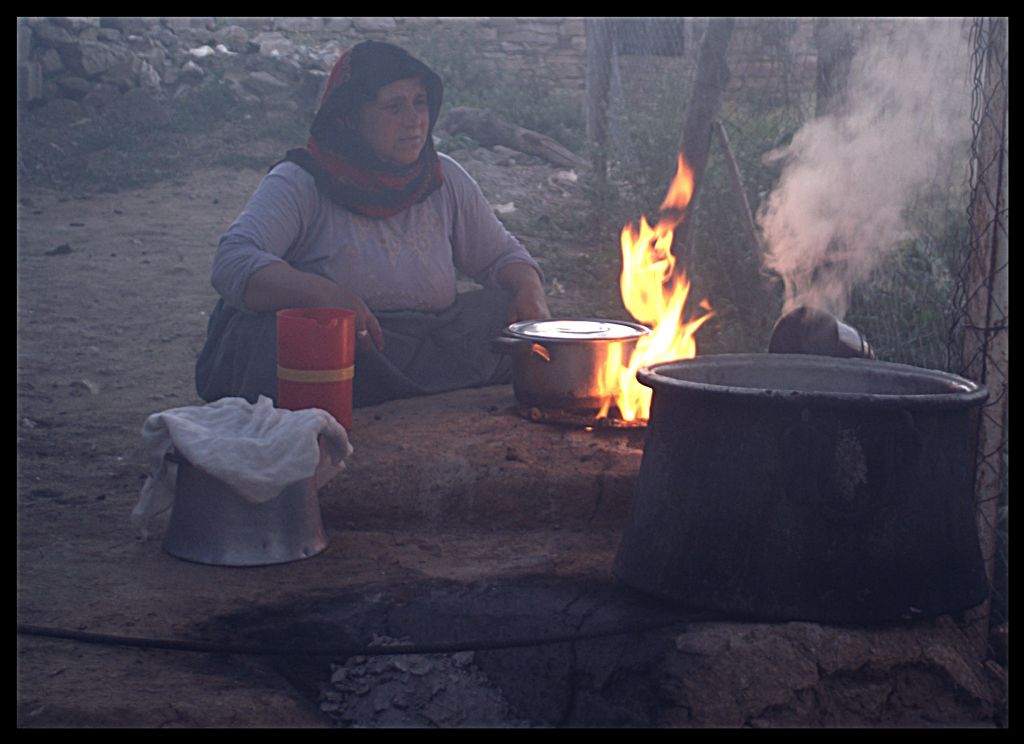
x=579, y=329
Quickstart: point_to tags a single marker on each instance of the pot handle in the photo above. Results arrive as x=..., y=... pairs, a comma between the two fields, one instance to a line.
x=509, y=345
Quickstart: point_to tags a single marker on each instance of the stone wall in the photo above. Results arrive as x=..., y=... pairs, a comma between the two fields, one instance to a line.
x=774, y=55
x=79, y=65
x=84, y=64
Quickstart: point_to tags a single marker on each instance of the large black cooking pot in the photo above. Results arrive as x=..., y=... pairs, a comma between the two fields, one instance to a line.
x=797, y=487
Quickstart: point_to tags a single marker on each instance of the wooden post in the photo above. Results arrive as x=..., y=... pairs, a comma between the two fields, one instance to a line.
x=986, y=338
x=741, y=193
x=712, y=78
x=599, y=75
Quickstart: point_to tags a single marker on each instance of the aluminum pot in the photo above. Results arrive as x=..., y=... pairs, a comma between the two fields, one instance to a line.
x=800, y=487
x=212, y=523
x=557, y=363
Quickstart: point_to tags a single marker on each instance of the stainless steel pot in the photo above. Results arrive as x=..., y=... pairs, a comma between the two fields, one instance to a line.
x=557, y=363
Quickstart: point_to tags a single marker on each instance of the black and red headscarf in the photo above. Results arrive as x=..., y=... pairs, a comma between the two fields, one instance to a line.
x=339, y=158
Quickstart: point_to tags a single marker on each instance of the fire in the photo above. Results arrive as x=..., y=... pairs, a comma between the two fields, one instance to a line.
x=655, y=295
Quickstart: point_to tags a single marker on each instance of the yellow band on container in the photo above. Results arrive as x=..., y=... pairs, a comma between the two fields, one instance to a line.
x=316, y=375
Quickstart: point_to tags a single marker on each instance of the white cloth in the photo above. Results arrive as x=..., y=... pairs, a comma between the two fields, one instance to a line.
x=256, y=449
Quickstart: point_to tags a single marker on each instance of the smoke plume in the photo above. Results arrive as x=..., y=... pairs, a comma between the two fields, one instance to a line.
x=848, y=177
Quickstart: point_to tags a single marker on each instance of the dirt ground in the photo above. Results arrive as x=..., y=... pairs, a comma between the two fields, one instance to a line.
x=112, y=299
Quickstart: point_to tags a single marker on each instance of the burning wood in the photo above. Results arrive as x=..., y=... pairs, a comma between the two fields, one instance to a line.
x=655, y=293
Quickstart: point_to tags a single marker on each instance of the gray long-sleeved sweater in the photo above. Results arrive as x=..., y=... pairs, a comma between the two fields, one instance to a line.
x=404, y=262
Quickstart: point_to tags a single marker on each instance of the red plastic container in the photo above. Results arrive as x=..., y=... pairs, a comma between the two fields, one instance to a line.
x=316, y=350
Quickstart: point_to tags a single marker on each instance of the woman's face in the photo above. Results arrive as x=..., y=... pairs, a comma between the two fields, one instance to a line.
x=395, y=124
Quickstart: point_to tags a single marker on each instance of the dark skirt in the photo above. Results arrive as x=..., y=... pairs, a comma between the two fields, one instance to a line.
x=424, y=353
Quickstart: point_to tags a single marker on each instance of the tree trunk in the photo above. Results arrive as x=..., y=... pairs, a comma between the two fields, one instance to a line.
x=712, y=79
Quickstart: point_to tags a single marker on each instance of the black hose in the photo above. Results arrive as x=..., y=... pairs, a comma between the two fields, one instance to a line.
x=210, y=647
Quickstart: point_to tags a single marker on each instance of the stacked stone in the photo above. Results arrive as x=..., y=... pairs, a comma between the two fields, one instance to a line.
x=84, y=65
x=88, y=64
x=772, y=56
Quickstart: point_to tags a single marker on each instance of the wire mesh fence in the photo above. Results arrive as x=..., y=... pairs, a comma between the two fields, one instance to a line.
x=979, y=332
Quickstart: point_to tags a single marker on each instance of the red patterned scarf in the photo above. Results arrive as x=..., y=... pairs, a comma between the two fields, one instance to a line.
x=342, y=163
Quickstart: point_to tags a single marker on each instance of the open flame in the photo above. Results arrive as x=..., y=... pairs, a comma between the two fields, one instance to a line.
x=655, y=295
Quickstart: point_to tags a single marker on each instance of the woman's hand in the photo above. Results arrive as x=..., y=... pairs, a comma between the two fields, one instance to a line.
x=279, y=285
x=528, y=301
x=368, y=330
x=528, y=304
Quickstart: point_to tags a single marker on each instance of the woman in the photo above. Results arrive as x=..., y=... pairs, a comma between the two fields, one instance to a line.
x=370, y=217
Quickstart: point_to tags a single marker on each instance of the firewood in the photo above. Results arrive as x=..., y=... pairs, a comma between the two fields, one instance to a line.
x=489, y=129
